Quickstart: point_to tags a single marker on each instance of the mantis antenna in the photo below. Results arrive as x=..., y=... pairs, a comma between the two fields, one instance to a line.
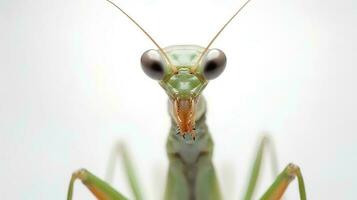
x=217, y=34
x=147, y=34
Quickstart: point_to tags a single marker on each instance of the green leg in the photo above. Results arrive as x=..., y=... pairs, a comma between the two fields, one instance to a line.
x=207, y=187
x=191, y=176
x=277, y=189
x=264, y=144
x=119, y=149
x=197, y=181
x=100, y=189
x=177, y=187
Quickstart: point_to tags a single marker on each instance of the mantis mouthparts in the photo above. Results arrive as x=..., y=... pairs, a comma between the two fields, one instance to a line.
x=184, y=111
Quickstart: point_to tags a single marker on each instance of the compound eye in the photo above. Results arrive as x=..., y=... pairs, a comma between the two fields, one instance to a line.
x=152, y=64
x=215, y=63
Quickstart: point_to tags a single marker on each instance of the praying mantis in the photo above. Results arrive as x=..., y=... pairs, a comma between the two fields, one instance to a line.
x=183, y=71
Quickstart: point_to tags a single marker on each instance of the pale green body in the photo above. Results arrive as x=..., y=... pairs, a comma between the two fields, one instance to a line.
x=191, y=174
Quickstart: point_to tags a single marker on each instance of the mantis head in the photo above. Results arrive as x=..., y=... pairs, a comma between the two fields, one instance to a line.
x=183, y=72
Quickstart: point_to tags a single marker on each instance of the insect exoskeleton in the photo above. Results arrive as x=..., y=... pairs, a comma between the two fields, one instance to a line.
x=184, y=71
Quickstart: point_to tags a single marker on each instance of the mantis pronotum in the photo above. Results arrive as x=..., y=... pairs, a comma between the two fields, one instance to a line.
x=183, y=71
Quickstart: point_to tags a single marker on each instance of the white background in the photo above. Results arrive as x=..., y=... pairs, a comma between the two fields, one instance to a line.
x=71, y=86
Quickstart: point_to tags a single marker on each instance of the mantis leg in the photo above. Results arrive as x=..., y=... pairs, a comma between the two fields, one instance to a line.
x=100, y=189
x=264, y=144
x=198, y=181
x=191, y=177
x=277, y=189
x=119, y=149
x=207, y=186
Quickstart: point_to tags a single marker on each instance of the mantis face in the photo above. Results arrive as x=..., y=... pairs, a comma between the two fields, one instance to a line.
x=183, y=72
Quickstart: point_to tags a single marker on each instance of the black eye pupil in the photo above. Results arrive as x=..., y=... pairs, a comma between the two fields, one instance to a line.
x=211, y=66
x=156, y=67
